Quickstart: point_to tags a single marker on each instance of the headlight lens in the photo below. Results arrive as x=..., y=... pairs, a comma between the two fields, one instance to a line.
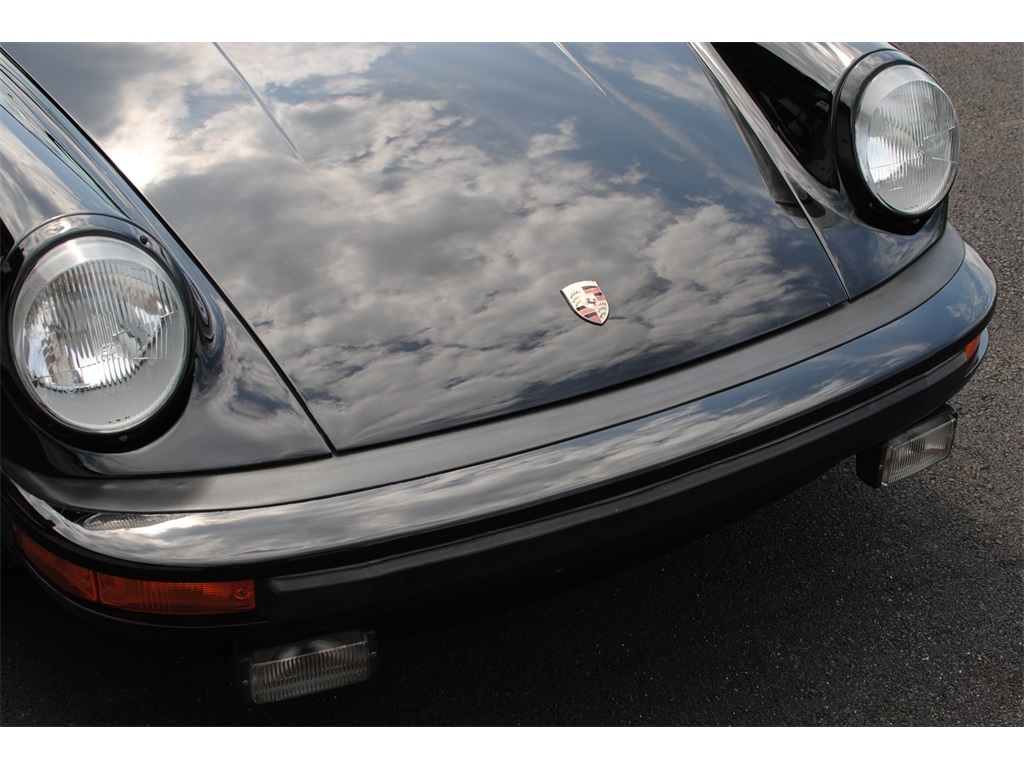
x=907, y=139
x=99, y=334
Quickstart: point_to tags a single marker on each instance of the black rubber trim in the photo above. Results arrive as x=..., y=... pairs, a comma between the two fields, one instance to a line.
x=727, y=487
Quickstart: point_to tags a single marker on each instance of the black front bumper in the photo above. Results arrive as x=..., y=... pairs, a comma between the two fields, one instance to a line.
x=676, y=498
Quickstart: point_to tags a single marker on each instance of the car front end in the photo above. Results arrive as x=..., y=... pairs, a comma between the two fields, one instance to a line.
x=297, y=353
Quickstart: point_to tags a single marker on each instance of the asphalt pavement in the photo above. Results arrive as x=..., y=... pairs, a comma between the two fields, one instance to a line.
x=837, y=605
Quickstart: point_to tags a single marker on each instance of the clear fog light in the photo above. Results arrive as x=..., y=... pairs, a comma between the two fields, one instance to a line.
x=907, y=139
x=99, y=334
x=308, y=666
x=919, y=447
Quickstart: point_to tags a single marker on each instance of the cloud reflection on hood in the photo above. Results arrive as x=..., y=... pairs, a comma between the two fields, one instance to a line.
x=404, y=268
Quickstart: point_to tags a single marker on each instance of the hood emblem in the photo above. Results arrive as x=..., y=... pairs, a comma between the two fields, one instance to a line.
x=587, y=300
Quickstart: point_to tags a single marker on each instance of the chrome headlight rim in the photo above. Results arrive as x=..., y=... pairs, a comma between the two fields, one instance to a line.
x=872, y=207
x=17, y=268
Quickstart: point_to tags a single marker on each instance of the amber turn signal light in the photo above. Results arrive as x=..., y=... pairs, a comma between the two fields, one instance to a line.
x=972, y=347
x=176, y=597
x=72, y=578
x=179, y=598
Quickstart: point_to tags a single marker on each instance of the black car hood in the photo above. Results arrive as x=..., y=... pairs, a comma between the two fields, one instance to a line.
x=395, y=223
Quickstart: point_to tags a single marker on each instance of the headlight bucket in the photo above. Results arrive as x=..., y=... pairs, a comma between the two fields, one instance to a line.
x=898, y=139
x=99, y=330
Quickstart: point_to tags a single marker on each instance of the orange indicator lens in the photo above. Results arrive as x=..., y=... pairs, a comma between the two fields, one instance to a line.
x=178, y=598
x=181, y=598
x=68, y=576
x=971, y=348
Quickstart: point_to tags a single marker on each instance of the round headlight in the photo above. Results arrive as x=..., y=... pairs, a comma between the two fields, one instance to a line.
x=99, y=334
x=907, y=139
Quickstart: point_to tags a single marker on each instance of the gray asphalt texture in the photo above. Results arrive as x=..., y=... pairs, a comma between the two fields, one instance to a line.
x=838, y=605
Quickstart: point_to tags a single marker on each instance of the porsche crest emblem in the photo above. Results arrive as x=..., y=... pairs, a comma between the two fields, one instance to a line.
x=587, y=300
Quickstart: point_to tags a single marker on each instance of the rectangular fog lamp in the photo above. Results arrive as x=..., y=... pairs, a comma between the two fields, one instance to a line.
x=309, y=666
x=919, y=447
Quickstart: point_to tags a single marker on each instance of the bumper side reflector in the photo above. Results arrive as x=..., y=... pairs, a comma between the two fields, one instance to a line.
x=924, y=444
x=308, y=666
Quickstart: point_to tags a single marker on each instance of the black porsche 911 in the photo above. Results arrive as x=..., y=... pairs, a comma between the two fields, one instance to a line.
x=299, y=336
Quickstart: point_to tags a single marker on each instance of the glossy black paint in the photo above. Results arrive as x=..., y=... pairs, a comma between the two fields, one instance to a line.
x=396, y=223
x=239, y=410
x=432, y=455
x=798, y=106
x=371, y=232
x=865, y=248
x=824, y=63
x=361, y=506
